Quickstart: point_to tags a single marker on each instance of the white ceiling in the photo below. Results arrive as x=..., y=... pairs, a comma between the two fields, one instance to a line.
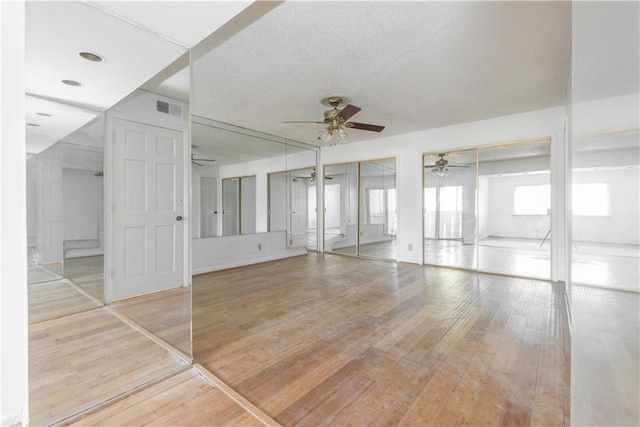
x=137, y=39
x=409, y=65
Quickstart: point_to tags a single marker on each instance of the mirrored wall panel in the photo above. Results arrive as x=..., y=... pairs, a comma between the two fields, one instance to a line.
x=299, y=218
x=45, y=215
x=450, y=209
x=378, y=223
x=150, y=162
x=360, y=208
x=341, y=208
x=514, y=215
x=489, y=209
x=605, y=200
x=83, y=203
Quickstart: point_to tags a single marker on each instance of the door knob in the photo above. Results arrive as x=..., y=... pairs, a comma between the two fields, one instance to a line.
x=178, y=218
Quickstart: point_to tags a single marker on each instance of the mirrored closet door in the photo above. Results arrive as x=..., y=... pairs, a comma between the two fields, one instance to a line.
x=360, y=205
x=489, y=209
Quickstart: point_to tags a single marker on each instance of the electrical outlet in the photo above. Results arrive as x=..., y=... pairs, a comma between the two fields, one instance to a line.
x=410, y=246
x=259, y=246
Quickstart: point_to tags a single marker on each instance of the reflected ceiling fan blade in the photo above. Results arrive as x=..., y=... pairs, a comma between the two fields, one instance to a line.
x=348, y=111
x=365, y=126
x=193, y=162
x=458, y=166
x=203, y=160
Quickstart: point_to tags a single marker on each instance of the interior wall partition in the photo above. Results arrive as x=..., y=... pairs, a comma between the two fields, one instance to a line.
x=489, y=209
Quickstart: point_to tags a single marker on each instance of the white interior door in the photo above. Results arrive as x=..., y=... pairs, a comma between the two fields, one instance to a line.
x=148, y=207
x=208, y=207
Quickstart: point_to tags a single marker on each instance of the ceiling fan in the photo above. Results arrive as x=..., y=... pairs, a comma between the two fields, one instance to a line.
x=337, y=120
x=441, y=167
x=197, y=162
x=312, y=178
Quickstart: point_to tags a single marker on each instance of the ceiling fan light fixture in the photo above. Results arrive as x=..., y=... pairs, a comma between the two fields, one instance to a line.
x=441, y=173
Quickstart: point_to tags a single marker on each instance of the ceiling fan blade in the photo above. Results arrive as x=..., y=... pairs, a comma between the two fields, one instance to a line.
x=430, y=166
x=364, y=126
x=204, y=160
x=328, y=177
x=302, y=121
x=348, y=111
x=196, y=163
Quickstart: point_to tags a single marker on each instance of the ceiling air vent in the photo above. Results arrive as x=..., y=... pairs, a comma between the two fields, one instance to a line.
x=165, y=107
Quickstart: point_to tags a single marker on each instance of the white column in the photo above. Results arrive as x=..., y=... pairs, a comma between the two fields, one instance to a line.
x=13, y=225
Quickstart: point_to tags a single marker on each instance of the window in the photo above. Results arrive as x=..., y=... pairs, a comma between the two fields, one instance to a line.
x=590, y=199
x=531, y=199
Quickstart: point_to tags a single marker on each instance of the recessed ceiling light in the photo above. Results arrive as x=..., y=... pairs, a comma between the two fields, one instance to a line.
x=44, y=114
x=71, y=83
x=33, y=124
x=90, y=56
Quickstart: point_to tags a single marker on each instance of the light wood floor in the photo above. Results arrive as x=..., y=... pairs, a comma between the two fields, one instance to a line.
x=50, y=300
x=334, y=340
x=185, y=399
x=80, y=360
x=88, y=273
x=166, y=314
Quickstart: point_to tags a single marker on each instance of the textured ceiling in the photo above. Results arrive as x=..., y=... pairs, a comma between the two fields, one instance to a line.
x=409, y=65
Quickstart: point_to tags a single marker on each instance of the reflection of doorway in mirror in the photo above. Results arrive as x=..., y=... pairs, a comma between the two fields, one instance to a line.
x=299, y=214
x=208, y=207
x=230, y=194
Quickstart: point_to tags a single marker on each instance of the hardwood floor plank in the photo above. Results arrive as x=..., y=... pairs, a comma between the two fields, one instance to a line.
x=81, y=360
x=324, y=339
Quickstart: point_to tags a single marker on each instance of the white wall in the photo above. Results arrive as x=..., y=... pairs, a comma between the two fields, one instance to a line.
x=14, y=408
x=217, y=253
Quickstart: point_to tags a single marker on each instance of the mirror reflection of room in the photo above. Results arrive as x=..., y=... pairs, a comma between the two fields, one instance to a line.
x=605, y=198
x=360, y=217
x=83, y=203
x=489, y=208
x=450, y=209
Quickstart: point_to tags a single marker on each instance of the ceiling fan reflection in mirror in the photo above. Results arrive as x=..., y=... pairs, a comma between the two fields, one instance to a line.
x=337, y=120
x=312, y=177
x=198, y=162
x=441, y=167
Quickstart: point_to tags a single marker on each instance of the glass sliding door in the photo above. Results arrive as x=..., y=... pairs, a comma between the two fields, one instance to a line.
x=514, y=227
x=378, y=220
x=450, y=184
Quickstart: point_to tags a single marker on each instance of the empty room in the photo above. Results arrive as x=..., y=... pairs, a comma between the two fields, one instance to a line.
x=320, y=213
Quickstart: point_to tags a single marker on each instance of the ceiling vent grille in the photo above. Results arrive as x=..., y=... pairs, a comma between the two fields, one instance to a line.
x=165, y=107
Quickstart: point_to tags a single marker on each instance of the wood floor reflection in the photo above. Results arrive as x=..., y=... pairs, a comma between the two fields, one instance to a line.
x=334, y=340
x=166, y=314
x=81, y=360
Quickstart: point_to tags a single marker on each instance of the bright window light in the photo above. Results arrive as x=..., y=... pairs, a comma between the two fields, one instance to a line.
x=531, y=199
x=590, y=199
